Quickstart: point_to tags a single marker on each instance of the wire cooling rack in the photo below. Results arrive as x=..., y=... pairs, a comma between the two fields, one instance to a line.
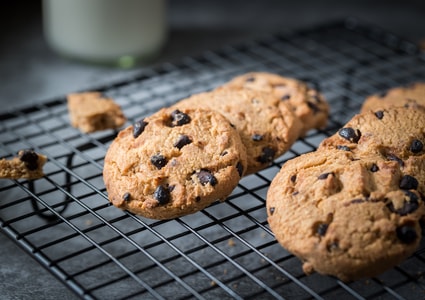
x=226, y=251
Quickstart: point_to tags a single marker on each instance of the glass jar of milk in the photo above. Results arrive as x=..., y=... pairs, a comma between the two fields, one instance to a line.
x=118, y=32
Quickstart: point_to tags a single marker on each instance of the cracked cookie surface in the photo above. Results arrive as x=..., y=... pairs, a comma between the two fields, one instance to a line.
x=173, y=163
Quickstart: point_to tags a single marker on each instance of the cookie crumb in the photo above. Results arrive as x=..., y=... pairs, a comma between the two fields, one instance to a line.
x=27, y=164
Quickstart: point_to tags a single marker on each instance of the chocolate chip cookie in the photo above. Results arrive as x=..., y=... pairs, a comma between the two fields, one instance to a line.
x=27, y=164
x=267, y=125
x=412, y=95
x=307, y=103
x=173, y=163
x=346, y=216
x=91, y=112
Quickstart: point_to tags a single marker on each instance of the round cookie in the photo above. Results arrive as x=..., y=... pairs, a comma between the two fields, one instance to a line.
x=412, y=95
x=267, y=126
x=395, y=133
x=343, y=216
x=174, y=163
x=308, y=104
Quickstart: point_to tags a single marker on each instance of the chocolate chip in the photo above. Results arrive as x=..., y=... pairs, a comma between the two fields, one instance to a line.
x=197, y=198
x=239, y=167
x=182, y=141
x=408, y=182
x=30, y=158
x=159, y=161
x=374, y=168
x=126, y=197
x=412, y=196
x=416, y=146
x=285, y=97
x=267, y=155
x=345, y=148
x=322, y=228
x=271, y=210
x=179, y=118
x=162, y=195
x=257, y=137
x=205, y=177
x=395, y=158
x=379, y=114
x=406, y=234
x=324, y=175
x=138, y=128
x=293, y=178
x=350, y=134
x=408, y=206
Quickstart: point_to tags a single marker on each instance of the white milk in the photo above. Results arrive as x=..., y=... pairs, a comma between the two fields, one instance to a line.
x=105, y=31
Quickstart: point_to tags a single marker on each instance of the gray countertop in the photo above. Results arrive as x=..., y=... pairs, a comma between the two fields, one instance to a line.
x=31, y=72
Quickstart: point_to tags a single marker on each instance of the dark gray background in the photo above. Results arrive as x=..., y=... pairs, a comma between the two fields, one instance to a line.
x=31, y=72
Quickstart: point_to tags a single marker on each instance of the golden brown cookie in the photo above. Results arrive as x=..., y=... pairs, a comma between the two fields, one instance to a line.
x=267, y=125
x=28, y=164
x=412, y=95
x=395, y=133
x=308, y=104
x=91, y=112
x=346, y=216
x=174, y=163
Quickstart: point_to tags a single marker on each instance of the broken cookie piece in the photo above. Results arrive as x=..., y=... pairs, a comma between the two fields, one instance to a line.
x=91, y=112
x=28, y=164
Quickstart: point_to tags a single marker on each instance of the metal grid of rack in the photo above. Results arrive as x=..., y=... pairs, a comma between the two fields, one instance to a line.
x=65, y=222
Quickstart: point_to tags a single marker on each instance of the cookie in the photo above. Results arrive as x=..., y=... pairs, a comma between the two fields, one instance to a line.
x=412, y=95
x=395, y=133
x=28, y=164
x=307, y=103
x=174, y=163
x=344, y=216
x=92, y=112
x=267, y=125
